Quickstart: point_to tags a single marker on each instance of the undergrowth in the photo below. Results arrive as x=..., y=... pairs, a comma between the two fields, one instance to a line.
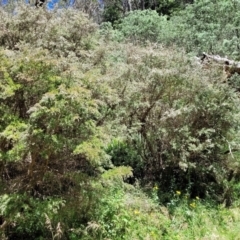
x=110, y=135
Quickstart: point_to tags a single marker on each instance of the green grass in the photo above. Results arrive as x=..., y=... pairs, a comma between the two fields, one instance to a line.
x=130, y=214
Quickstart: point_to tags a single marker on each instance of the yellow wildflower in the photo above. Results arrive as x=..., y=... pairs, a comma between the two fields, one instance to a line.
x=193, y=204
x=153, y=234
x=178, y=193
x=155, y=188
x=136, y=212
x=197, y=198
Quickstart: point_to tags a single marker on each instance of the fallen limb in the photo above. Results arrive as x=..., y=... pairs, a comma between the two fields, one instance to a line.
x=218, y=59
x=230, y=66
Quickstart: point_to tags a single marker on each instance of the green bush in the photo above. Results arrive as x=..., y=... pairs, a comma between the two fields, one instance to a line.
x=209, y=26
x=111, y=14
x=142, y=25
x=123, y=154
x=50, y=144
x=30, y=218
x=69, y=104
x=126, y=213
x=40, y=28
x=179, y=121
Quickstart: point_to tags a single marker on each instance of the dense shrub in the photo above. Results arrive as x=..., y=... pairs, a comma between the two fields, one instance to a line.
x=142, y=25
x=210, y=26
x=50, y=145
x=204, y=26
x=48, y=30
x=75, y=107
x=123, y=154
x=178, y=120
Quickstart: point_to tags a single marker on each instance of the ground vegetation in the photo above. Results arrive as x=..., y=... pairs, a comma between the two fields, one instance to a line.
x=113, y=127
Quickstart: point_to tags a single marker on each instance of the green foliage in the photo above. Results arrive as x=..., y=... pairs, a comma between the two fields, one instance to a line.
x=126, y=214
x=195, y=218
x=49, y=113
x=204, y=26
x=123, y=154
x=47, y=30
x=234, y=82
x=117, y=9
x=111, y=13
x=177, y=121
x=26, y=216
x=60, y=119
x=210, y=26
x=50, y=143
x=142, y=25
x=119, y=172
x=167, y=7
x=81, y=113
x=26, y=81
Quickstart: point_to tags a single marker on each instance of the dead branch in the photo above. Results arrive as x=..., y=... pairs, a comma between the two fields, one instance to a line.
x=230, y=66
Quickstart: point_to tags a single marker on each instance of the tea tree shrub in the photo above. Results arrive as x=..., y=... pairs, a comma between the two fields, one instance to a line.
x=179, y=121
x=142, y=25
x=210, y=26
x=47, y=30
x=82, y=114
